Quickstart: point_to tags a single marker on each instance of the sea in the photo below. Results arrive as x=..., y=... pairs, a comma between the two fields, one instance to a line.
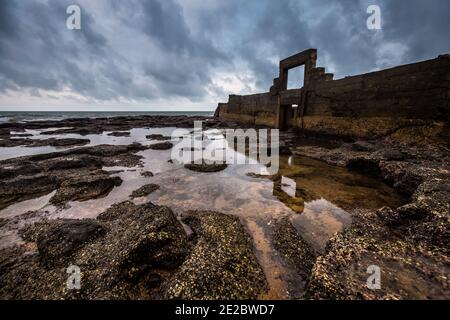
x=25, y=116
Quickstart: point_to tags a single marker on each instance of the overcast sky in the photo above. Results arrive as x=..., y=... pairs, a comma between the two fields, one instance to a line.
x=190, y=54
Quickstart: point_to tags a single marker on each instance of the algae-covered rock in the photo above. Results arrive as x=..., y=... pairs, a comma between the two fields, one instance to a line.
x=222, y=264
x=121, y=255
x=144, y=190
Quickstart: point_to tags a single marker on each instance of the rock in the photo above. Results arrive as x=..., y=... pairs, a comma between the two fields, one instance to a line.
x=68, y=142
x=159, y=137
x=161, y=146
x=33, y=176
x=365, y=165
x=147, y=174
x=73, y=162
x=341, y=273
x=125, y=254
x=293, y=247
x=26, y=187
x=85, y=188
x=222, y=264
x=284, y=149
x=23, y=135
x=205, y=167
x=63, y=237
x=119, y=134
x=144, y=190
x=392, y=155
x=363, y=146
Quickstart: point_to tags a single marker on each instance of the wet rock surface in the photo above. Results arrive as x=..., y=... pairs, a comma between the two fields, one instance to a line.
x=144, y=190
x=143, y=252
x=119, y=134
x=206, y=167
x=158, y=137
x=293, y=247
x=85, y=126
x=117, y=255
x=85, y=188
x=76, y=174
x=57, y=240
x=67, y=142
x=221, y=264
x=134, y=252
x=147, y=174
x=409, y=243
x=161, y=146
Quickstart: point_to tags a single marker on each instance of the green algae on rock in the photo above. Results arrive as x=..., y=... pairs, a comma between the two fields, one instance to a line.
x=221, y=265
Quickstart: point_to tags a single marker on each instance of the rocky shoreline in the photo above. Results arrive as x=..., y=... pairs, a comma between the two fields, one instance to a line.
x=145, y=251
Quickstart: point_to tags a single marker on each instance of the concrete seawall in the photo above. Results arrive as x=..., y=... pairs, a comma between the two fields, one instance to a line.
x=405, y=100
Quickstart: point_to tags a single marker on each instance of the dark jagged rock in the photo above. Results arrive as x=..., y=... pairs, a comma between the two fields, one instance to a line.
x=161, y=146
x=206, y=167
x=341, y=273
x=158, y=137
x=147, y=174
x=144, y=190
x=29, y=177
x=85, y=188
x=67, y=142
x=25, y=188
x=59, y=239
x=293, y=247
x=221, y=265
x=119, y=134
x=363, y=146
x=125, y=254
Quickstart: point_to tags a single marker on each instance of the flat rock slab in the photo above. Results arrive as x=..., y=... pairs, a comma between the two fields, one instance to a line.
x=119, y=134
x=85, y=188
x=60, y=239
x=161, y=146
x=159, y=137
x=144, y=190
x=204, y=167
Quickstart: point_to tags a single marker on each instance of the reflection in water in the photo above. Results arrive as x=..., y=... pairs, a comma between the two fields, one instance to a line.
x=313, y=194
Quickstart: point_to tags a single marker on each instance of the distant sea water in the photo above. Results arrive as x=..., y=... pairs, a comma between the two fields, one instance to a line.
x=19, y=116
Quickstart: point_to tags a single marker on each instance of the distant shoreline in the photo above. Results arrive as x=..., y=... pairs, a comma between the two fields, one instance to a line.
x=18, y=116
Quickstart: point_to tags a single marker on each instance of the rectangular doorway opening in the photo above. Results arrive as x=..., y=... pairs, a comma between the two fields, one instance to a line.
x=296, y=77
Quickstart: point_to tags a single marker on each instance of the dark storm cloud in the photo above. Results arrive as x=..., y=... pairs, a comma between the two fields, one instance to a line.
x=163, y=49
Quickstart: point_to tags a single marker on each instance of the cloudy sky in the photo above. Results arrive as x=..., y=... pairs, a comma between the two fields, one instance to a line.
x=190, y=54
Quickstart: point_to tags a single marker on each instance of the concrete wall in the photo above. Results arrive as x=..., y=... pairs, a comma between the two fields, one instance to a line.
x=364, y=106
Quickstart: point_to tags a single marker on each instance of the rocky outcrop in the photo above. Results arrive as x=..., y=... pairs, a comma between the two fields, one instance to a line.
x=84, y=188
x=206, y=167
x=157, y=137
x=120, y=255
x=134, y=252
x=144, y=190
x=161, y=146
x=76, y=174
x=221, y=264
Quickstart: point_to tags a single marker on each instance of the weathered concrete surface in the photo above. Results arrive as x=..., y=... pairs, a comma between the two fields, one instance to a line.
x=403, y=101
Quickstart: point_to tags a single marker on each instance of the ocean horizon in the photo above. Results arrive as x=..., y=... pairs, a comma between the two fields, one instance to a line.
x=17, y=116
